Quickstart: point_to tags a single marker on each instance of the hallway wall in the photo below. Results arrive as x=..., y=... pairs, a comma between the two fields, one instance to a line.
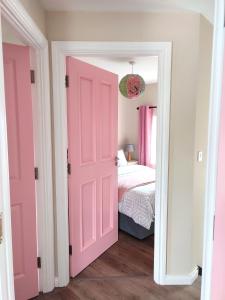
x=183, y=30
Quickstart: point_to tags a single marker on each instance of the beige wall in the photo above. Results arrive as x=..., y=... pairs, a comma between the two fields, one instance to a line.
x=201, y=127
x=9, y=34
x=36, y=12
x=191, y=37
x=183, y=30
x=128, y=116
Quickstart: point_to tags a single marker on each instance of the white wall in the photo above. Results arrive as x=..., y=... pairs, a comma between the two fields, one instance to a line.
x=128, y=116
x=201, y=131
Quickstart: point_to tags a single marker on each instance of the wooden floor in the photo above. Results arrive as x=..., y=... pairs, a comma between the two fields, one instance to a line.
x=125, y=271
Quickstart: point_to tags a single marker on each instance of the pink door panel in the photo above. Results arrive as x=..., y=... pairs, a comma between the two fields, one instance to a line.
x=218, y=273
x=92, y=147
x=21, y=169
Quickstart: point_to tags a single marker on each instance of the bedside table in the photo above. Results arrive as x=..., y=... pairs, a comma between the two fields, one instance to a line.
x=132, y=162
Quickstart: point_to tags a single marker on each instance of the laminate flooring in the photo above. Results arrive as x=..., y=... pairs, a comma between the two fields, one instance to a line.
x=125, y=271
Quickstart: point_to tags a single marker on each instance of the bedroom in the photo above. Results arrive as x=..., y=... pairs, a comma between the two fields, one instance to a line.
x=136, y=157
x=137, y=126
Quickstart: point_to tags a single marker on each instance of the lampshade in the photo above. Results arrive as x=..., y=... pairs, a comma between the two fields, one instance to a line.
x=129, y=148
x=132, y=85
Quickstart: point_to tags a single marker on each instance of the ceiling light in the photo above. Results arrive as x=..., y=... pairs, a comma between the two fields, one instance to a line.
x=132, y=85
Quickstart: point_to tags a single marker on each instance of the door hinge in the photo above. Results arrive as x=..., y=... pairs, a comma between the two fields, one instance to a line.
x=67, y=81
x=69, y=168
x=39, y=262
x=32, y=76
x=36, y=173
x=70, y=250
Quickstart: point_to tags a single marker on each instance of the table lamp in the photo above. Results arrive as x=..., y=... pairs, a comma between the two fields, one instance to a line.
x=129, y=148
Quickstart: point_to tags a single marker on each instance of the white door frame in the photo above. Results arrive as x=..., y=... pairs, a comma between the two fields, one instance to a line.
x=17, y=16
x=213, y=143
x=116, y=49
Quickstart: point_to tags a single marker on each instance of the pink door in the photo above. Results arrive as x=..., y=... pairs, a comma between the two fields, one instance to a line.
x=21, y=169
x=92, y=147
x=218, y=273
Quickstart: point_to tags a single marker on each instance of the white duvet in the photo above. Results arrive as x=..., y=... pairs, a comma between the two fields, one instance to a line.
x=138, y=203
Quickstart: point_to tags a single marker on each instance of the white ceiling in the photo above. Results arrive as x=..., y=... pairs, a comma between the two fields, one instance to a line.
x=147, y=67
x=205, y=7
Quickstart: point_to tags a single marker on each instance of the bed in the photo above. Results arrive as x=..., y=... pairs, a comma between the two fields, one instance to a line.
x=136, y=195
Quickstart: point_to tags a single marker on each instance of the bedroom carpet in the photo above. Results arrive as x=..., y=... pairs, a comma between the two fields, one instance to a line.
x=125, y=271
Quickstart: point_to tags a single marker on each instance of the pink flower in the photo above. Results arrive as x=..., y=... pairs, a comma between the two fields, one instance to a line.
x=133, y=86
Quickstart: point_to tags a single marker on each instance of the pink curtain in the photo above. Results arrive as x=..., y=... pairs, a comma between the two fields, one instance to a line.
x=144, y=136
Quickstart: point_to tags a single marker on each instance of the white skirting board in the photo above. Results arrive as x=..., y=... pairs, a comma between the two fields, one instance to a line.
x=56, y=282
x=188, y=279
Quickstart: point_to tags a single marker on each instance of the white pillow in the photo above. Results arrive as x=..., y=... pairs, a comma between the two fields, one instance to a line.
x=122, y=161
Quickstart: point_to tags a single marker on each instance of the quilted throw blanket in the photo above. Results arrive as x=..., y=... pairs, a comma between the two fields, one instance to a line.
x=139, y=204
x=130, y=177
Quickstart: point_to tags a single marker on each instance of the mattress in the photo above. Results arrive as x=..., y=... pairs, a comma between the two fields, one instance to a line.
x=138, y=203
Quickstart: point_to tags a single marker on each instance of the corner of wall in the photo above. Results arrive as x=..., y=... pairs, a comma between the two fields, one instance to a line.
x=201, y=129
x=37, y=13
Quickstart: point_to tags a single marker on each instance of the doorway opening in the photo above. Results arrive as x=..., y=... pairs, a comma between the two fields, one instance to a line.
x=61, y=50
x=135, y=152
x=19, y=98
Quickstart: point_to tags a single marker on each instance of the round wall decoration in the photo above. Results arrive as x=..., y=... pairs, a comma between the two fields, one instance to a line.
x=132, y=85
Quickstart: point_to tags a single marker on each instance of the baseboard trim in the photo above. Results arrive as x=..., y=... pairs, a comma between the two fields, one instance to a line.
x=56, y=282
x=188, y=279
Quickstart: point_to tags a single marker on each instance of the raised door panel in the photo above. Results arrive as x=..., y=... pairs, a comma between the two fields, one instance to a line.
x=107, y=203
x=88, y=214
x=17, y=241
x=87, y=121
x=105, y=128
x=13, y=125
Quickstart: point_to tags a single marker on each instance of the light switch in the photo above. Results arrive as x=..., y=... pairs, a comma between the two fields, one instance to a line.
x=200, y=156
